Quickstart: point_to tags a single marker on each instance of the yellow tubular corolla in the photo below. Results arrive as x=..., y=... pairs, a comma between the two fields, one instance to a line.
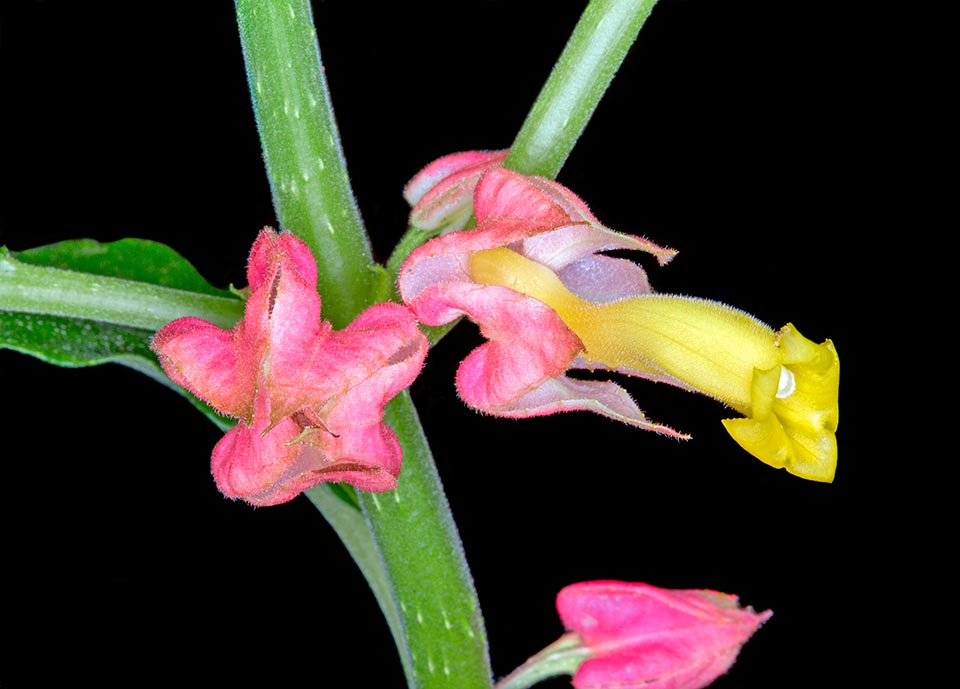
x=785, y=385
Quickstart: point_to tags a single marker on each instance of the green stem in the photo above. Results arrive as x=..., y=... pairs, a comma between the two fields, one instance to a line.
x=28, y=288
x=301, y=148
x=421, y=577
x=437, y=627
x=562, y=657
x=589, y=61
x=352, y=529
x=444, y=641
x=599, y=43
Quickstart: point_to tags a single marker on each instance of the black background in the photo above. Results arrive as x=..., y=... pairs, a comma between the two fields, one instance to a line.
x=733, y=133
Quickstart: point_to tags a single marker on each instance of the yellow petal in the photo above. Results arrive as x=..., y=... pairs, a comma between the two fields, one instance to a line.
x=798, y=430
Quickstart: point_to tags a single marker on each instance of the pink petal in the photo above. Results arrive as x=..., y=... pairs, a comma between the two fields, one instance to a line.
x=287, y=307
x=573, y=206
x=442, y=192
x=364, y=450
x=563, y=394
x=203, y=358
x=560, y=227
x=504, y=195
x=352, y=376
x=249, y=465
x=644, y=636
x=661, y=668
x=356, y=416
x=605, y=239
x=368, y=457
x=603, y=279
x=446, y=258
x=262, y=260
x=268, y=466
x=281, y=328
x=528, y=342
x=271, y=248
x=422, y=270
x=382, y=336
x=565, y=244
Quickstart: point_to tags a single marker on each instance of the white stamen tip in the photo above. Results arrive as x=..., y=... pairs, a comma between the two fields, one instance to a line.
x=787, y=383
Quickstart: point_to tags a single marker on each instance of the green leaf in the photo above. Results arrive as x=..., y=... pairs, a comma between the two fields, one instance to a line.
x=141, y=260
x=85, y=303
x=345, y=492
x=74, y=342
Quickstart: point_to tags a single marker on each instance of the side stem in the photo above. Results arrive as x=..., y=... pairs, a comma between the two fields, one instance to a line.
x=578, y=81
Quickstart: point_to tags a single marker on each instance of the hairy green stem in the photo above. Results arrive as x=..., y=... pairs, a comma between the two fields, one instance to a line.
x=351, y=527
x=433, y=591
x=421, y=577
x=563, y=108
x=578, y=81
x=28, y=288
x=562, y=657
x=443, y=646
x=301, y=148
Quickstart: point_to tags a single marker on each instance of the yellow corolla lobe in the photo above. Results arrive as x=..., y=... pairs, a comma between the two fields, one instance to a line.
x=798, y=431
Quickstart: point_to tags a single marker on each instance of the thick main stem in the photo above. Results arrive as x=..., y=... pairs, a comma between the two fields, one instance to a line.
x=432, y=586
x=420, y=578
x=301, y=148
x=432, y=606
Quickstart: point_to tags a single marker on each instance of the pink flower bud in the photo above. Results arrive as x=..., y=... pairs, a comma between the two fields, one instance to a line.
x=643, y=636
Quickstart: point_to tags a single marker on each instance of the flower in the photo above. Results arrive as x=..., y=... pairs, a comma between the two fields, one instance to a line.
x=441, y=194
x=639, y=635
x=309, y=399
x=532, y=275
